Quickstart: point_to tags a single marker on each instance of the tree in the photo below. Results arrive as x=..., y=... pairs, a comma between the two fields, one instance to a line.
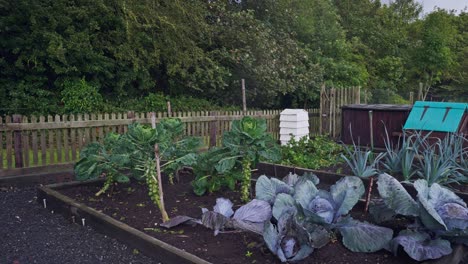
x=433, y=54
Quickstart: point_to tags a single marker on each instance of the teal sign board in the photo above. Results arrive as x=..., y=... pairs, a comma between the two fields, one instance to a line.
x=436, y=116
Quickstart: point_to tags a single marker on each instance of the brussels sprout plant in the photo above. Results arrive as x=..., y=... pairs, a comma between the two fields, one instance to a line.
x=132, y=154
x=242, y=148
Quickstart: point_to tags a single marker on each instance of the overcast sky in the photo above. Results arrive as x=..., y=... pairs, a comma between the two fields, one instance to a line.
x=429, y=5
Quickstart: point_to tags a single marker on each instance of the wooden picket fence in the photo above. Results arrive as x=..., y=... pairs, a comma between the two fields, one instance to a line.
x=331, y=101
x=40, y=142
x=31, y=145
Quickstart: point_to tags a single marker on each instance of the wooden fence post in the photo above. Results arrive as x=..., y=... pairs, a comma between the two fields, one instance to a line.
x=420, y=92
x=213, y=127
x=323, y=110
x=244, y=100
x=131, y=115
x=153, y=120
x=169, y=109
x=331, y=112
x=358, y=95
x=18, y=145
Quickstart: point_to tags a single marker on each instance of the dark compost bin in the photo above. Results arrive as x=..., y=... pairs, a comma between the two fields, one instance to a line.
x=356, y=122
x=438, y=118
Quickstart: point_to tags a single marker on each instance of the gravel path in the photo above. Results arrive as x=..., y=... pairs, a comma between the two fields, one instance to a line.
x=31, y=234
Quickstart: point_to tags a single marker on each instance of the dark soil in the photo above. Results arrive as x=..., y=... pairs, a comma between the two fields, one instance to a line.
x=31, y=234
x=459, y=187
x=130, y=203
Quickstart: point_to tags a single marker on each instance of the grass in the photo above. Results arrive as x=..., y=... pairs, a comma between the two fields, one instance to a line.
x=48, y=161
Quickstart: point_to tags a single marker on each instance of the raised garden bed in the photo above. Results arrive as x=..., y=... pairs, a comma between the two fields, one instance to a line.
x=130, y=216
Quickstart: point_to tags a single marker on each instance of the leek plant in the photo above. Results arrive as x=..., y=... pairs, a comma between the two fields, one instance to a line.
x=436, y=166
x=363, y=165
x=400, y=159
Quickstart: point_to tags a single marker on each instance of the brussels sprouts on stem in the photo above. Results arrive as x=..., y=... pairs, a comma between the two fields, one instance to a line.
x=246, y=175
x=107, y=183
x=165, y=217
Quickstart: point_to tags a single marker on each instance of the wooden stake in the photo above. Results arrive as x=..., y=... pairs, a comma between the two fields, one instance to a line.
x=369, y=191
x=371, y=127
x=18, y=143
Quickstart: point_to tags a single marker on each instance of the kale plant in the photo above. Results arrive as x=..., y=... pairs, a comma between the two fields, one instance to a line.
x=242, y=148
x=306, y=216
x=440, y=216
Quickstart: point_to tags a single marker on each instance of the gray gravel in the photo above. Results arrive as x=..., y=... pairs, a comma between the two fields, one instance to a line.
x=32, y=234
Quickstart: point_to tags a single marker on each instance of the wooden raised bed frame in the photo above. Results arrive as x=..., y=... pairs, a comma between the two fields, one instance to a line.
x=157, y=249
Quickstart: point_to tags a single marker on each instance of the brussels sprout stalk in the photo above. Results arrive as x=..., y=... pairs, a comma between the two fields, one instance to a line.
x=246, y=175
x=165, y=217
x=107, y=183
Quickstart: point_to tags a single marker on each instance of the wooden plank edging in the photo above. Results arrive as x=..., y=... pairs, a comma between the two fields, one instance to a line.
x=103, y=223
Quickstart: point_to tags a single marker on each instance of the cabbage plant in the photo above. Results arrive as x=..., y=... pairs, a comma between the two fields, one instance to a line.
x=441, y=217
x=298, y=205
x=249, y=217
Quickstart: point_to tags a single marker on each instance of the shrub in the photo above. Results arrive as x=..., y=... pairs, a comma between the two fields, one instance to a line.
x=78, y=96
x=315, y=153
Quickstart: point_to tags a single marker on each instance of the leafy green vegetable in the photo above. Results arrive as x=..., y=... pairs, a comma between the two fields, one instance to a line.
x=267, y=189
x=314, y=153
x=362, y=236
x=361, y=162
x=420, y=246
x=249, y=217
x=134, y=152
x=288, y=240
x=396, y=197
x=242, y=148
x=318, y=212
x=443, y=215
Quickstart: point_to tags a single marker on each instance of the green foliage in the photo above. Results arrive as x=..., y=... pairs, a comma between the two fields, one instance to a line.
x=433, y=55
x=242, y=148
x=319, y=152
x=98, y=159
x=134, y=51
x=80, y=97
x=436, y=167
x=312, y=214
x=361, y=161
x=441, y=217
x=442, y=161
x=134, y=152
